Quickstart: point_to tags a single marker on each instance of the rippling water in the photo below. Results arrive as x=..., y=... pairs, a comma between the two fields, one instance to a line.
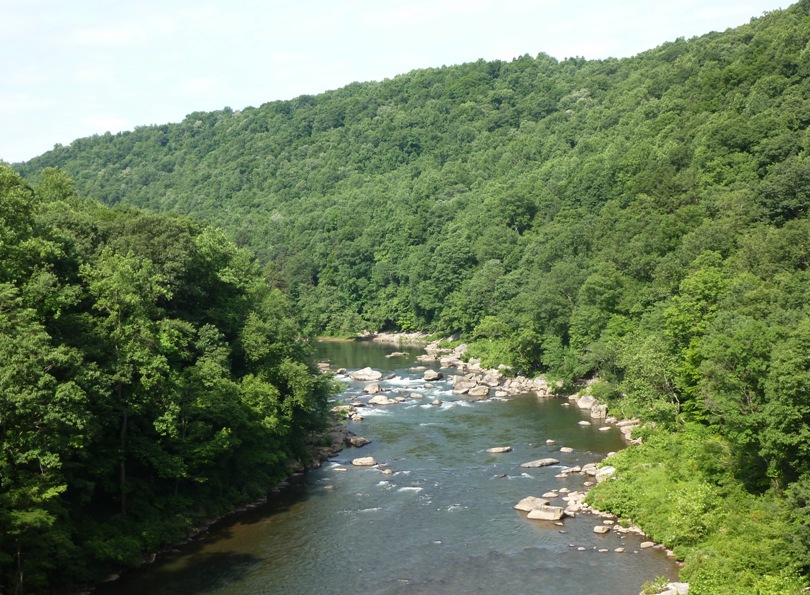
x=443, y=522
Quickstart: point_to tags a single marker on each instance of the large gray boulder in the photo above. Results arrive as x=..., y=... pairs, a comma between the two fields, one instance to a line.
x=432, y=375
x=547, y=513
x=380, y=400
x=529, y=503
x=364, y=462
x=598, y=411
x=372, y=388
x=540, y=463
x=590, y=469
x=365, y=374
x=605, y=473
x=499, y=449
x=479, y=391
x=492, y=378
x=586, y=402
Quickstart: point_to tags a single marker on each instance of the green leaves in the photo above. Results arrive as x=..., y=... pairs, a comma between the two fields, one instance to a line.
x=149, y=377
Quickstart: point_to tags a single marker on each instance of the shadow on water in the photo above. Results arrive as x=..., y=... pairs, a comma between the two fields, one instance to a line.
x=201, y=573
x=206, y=564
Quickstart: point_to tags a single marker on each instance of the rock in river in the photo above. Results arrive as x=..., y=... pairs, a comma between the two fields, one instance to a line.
x=547, y=513
x=529, y=503
x=432, y=375
x=380, y=400
x=498, y=449
x=364, y=462
x=541, y=463
x=365, y=374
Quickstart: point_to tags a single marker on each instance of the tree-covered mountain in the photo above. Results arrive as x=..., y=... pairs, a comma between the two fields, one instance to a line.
x=149, y=379
x=641, y=221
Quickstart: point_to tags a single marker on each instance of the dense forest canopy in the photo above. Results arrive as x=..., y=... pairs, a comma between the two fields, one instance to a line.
x=149, y=379
x=642, y=222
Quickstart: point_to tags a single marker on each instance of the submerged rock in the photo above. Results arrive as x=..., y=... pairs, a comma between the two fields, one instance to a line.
x=499, y=449
x=540, y=463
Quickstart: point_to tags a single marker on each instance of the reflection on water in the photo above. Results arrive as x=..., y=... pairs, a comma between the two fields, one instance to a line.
x=441, y=522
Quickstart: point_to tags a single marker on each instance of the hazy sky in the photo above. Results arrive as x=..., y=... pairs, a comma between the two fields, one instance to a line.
x=74, y=68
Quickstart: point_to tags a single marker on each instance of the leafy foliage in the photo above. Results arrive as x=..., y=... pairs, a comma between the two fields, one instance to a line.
x=149, y=378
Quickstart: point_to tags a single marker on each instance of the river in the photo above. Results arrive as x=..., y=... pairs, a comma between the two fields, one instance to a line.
x=442, y=522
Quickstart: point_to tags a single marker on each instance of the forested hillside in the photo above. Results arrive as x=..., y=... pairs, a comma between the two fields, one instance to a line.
x=642, y=221
x=149, y=379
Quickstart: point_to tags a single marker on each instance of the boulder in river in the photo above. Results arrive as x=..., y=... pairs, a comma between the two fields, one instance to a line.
x=598, y=411
x=529, y=503
x=547, y=513
x=590, y=469
x=380, y=400
x=540, y=463
x=499, y=449
x=372, y=388
x=479, y=391
x=586, y=402
x=365, y=374
x=432, y=375
x=357, y=441
x=601, y=529
x=364, y=462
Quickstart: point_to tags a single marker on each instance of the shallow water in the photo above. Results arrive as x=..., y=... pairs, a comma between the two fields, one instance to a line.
x=443, y=522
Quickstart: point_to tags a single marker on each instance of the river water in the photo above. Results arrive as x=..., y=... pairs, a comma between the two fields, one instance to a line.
x=443, y=522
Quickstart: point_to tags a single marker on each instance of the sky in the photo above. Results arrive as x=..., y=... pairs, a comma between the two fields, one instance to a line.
x=75, y=68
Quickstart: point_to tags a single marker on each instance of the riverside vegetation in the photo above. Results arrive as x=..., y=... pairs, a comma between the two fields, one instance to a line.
x=149, y=380
x=642, y=222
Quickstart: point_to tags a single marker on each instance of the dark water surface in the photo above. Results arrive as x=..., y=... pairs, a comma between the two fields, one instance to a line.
x=443, y=522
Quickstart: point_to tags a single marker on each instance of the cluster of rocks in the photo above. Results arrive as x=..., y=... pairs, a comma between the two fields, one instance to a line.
x=392, y=338
x=485, y=384
x=475, y=382
x=542, y=508
x=599, y=412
